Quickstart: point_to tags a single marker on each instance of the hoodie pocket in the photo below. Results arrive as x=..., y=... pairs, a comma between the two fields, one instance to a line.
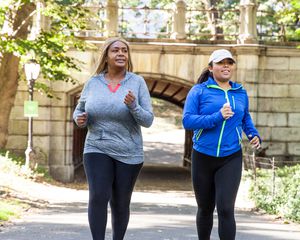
x=239, y=134
x=94, y=138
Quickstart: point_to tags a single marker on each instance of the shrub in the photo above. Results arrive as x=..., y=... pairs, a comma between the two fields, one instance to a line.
x=285, y=200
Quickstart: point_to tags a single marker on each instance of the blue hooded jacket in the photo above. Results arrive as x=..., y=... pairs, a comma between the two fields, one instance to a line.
x=213, y=135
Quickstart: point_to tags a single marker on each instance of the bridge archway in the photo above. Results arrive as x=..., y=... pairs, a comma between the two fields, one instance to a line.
x=165, y=87
x=169, y=88
x=174, y=90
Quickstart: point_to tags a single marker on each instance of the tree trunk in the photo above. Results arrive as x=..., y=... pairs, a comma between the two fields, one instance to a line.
x=9, y=72
x=8, y=90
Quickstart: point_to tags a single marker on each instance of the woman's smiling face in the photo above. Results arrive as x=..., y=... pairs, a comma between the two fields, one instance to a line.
x=223, y=70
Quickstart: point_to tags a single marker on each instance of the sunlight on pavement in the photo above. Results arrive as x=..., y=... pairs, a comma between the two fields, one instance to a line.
x=170, y=197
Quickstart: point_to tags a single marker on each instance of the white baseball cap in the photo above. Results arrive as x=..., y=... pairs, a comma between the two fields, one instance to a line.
x=219, y=55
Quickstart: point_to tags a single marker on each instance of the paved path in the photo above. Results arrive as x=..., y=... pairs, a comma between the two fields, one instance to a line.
x=163, y=206
x=157, y=213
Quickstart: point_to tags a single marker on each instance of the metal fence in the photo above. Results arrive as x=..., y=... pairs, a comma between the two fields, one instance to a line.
x=253, y=163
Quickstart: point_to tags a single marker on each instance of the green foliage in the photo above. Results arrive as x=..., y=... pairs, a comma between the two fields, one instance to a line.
x=280, y=18
x=17, y=160
x=10, y=165
x=227, y=22
x=8, y=209
x=3, y=10
x=66, y=15
x=13, y=164
x=161, y=3
x=286, y=198
x=131, y=3
x=50, y=47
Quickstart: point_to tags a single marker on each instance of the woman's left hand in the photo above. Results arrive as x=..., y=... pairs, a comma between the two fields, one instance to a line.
x=255, y=142
x=129, y=98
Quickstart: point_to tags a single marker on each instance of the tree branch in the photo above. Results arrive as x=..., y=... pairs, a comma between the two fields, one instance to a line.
x=26, y=21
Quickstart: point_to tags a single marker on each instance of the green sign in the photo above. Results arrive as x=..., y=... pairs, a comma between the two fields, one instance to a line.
x=31, y=109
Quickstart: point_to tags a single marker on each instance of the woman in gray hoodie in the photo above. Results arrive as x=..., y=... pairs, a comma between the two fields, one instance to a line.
x=114, y=104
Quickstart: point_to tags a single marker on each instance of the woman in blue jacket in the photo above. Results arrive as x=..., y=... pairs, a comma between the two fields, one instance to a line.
x=217, y=110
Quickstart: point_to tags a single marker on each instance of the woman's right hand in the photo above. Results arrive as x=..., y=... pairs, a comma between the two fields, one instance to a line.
x=226, y=111
x=81, y=119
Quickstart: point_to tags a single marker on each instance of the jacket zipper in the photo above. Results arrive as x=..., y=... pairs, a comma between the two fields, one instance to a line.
x=224, y=122
x=220, y=138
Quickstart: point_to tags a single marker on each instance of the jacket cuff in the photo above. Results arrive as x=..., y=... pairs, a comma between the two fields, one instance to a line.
x=220, y=116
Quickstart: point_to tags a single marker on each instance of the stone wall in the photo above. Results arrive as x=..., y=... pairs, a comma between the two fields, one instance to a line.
x=272, y=79
x=271, y=75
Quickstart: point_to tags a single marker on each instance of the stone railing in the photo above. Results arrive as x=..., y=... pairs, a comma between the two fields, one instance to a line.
x=178, y=23
x=242, y=25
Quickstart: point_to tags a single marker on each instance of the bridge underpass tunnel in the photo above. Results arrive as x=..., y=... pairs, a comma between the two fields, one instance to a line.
x=164, y=144
x=164, y=140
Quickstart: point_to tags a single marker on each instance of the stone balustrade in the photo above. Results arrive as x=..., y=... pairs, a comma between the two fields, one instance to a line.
x=180, y=22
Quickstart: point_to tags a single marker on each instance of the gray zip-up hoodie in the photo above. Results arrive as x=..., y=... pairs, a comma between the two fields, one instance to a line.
x=113, y=127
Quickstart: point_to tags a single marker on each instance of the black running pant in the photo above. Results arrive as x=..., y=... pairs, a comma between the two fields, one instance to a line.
x=216, y=181
x=110, y=181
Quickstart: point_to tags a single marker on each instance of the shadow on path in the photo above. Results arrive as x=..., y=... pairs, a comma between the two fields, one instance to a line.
x=164, y=178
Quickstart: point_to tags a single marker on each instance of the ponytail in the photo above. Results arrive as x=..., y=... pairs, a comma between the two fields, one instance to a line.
x=204, y=75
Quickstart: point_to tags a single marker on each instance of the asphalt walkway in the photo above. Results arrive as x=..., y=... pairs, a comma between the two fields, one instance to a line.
x=164, y=211
x=163, y=206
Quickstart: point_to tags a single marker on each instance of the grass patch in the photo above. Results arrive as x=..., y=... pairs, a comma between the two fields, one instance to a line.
x=12, y=169
x=10, y=209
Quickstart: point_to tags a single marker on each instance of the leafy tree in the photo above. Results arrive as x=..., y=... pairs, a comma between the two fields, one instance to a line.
x=279, y=18
x=49, y=48
x=289, y=16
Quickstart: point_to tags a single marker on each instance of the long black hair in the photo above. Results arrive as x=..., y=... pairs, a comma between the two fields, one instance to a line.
x=205, y=74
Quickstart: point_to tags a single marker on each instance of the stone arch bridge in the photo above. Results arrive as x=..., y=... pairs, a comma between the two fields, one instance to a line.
x=170, y=68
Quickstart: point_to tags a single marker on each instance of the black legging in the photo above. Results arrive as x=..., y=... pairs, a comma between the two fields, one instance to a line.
x=216, y=181
x=109, y=181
